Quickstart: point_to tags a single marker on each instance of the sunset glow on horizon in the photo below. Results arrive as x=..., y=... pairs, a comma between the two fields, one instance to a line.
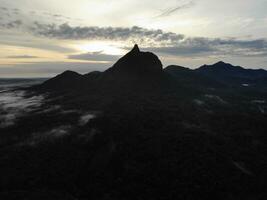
x=49, y=37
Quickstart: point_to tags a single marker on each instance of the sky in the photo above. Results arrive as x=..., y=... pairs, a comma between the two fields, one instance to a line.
x=43, y=38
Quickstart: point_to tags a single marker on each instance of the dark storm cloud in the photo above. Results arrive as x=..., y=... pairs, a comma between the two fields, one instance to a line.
x=94, y=56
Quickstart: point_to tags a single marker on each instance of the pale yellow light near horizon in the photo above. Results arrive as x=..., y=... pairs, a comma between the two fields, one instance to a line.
x=103, y=47
x=9, y=53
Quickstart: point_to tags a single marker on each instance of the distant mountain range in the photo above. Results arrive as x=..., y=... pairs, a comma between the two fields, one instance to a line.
x=139, y=69
x=233, y=75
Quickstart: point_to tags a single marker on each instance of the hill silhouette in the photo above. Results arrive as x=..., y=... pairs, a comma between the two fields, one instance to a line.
x=137, y=70
x=232, y=75
x=65, y=81
x=189, y=77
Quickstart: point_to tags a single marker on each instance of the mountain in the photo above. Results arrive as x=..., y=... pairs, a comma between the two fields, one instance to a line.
x=65, y=81
x=135, y=70
x=232, y=75
x=139, y=72
x=189, y=77
x=137, y=63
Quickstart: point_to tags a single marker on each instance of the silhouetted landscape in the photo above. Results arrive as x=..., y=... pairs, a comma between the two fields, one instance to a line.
x=136, y=131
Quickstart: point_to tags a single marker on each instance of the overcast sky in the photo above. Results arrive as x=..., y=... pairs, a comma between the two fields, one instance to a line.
x=42, y=38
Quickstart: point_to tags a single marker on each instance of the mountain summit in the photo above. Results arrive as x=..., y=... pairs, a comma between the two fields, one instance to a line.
x=136, y=49
x=138, y=63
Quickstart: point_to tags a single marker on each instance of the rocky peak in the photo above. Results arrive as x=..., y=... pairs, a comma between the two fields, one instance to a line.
x=138, y=63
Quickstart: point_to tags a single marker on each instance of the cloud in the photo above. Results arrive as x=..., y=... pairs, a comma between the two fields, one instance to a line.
x=172, y=10
x=94, y=56
x=11, y=15
x=157, y=40
x=3, y=8
x=14, y=105
x=58, y=131
x=16, y=39
x=167, y=43
x=22, y=56
x=48, y=136
x=182, y=50
x=55, y=16
x=65, y=31
x=84, y=119
x=213, y=47
x=11, y=24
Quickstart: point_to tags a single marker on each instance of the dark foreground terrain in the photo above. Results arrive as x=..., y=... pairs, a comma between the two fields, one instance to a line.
x=137, y=131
